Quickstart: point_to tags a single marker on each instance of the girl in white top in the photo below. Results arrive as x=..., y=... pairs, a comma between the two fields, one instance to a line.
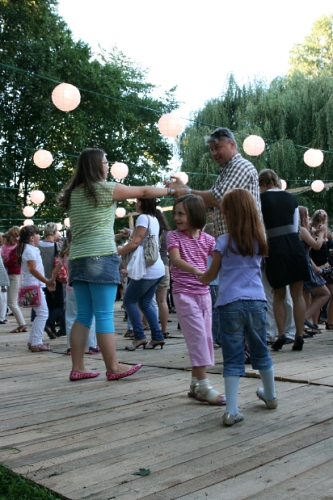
x=32, y=273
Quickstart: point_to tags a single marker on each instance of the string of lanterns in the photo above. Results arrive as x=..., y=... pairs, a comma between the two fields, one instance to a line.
x=67, y=97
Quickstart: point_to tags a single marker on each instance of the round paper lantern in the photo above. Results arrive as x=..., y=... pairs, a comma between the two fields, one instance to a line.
x=317, y=186
x=43, y=158
x=313, y=157
x=283, y=185
x=131, y=200
x=28, y=211
x=59, y=226
x=170, y=125
x=67, y=222
x=120, y=212
x=66, y=97
x=119, y=170
x=182, y=176
x=254, y=145
x=37, y=197
x=28, y=222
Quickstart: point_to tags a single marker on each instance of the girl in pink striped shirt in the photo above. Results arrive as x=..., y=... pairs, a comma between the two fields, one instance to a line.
x=188, y=249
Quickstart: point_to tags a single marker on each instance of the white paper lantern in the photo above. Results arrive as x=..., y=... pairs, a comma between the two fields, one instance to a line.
x=283, y=185
x=28, y=211
x=120, y=212
x=254, y=145
x=182, y=176
x=119, y=170
x=313, y=157
x=37, y=197
x=67, y=222
x=131, y=200
x=66, y=97
x=28, y=222
x=43, y=158
x=170, y=125
x=317, y=186
x=59, y=226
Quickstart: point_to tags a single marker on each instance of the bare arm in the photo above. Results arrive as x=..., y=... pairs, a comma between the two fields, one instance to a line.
x=32, y=270
x=213, y=271
x=136, y=240
x=180, y=189
x=178, y=262
x=122, y=192
x=316, y=244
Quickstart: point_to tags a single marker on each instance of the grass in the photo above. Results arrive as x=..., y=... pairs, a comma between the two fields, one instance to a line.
x=15, y=487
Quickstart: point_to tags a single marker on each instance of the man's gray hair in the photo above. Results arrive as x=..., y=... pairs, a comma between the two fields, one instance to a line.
x=221, y=133
x=50, y=228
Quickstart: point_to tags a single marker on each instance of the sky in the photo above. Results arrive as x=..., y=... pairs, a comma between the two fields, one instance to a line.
x=196, y=45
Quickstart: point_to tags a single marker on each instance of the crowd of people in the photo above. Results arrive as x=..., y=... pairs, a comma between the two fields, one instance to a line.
x=257, y=272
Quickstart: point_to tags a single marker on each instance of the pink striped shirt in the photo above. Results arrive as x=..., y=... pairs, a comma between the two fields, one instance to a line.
x=195, y=251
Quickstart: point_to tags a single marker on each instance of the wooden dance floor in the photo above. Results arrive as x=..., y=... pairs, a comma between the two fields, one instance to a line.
x=143, y=438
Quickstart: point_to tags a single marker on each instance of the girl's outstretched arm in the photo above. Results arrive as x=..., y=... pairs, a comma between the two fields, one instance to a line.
x=178, y=262
x=213, y=271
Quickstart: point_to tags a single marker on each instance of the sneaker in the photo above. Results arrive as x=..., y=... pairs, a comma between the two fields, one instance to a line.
x=229, y=419
x=271, y=404
x=94, y=350
x=69, y=352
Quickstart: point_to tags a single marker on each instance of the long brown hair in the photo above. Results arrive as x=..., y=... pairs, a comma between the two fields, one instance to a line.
x=241, y=215
x=304, y=217
x=89, y=170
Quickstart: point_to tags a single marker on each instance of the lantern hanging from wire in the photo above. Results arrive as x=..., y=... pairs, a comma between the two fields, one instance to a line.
x=28, y=222
x=67, y=222
x=182, y=176
x=254, y=145
x=313, y=157
x=59, y=226
x=120, y=212
x=317, y=186
x=283, y=185
x=131, y=200
x=28, y=211
x=37, y=197
x=170, y=125
x=43, y=158
x=66, y=97
x=119, y=170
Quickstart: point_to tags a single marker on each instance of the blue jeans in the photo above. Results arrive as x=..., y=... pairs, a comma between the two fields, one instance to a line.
x=141, y=292
x=215, y=315
x=244, y=320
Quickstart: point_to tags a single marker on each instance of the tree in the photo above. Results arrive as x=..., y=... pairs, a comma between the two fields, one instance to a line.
x=37, y=52
x=314, y=57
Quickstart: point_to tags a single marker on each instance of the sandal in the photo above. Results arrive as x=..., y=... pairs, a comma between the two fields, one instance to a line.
x=133, y=347
x=19, y=329
x=207, y=394
x=40, y=348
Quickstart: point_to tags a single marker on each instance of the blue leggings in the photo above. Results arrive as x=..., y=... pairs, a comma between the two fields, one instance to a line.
x=95, y=299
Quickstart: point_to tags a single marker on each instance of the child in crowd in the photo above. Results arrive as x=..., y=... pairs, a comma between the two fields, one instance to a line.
x=188, y=249
x=32, y=273
x=241, y=299
x=71, y=307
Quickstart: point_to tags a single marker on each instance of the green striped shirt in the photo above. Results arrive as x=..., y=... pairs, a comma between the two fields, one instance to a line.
x=92, y=228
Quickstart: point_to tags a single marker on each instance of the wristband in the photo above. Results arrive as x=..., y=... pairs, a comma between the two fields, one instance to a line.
x=189, y=191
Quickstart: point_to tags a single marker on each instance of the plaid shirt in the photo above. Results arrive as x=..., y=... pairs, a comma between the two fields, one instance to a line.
x=236, y=173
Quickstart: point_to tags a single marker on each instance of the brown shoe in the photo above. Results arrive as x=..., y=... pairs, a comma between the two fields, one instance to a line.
x=49, y=332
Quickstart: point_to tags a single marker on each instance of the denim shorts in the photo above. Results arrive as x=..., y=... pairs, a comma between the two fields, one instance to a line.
x=100, y=269
x=240, y=321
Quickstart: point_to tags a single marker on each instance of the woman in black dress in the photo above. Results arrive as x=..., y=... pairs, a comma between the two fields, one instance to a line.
x=286, y=263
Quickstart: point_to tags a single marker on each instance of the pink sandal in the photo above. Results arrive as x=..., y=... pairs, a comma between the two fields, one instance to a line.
x=40, y=348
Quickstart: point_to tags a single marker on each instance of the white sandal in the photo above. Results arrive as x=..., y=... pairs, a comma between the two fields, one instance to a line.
x=207, y=394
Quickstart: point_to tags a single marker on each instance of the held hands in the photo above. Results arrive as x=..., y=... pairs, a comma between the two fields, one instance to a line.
x=51, y=284
x=125, y=232
x=177, y=186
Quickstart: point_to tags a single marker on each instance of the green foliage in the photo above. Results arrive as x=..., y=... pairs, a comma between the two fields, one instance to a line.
x=314, y=57
x=34, y=39
x=15, y=487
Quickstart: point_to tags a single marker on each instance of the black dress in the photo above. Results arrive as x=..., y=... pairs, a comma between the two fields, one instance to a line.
x=286, y=262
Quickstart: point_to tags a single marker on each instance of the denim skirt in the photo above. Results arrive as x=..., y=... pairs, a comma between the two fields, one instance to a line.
x=100, y=269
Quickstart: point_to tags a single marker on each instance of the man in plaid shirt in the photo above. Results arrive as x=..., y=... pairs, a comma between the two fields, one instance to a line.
x=236, y=172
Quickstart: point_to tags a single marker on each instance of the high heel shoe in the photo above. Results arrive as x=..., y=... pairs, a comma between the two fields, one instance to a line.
x=328, y=326
x=133, y=347
x=279, y=343
x=154, y=343
x=298, y=345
